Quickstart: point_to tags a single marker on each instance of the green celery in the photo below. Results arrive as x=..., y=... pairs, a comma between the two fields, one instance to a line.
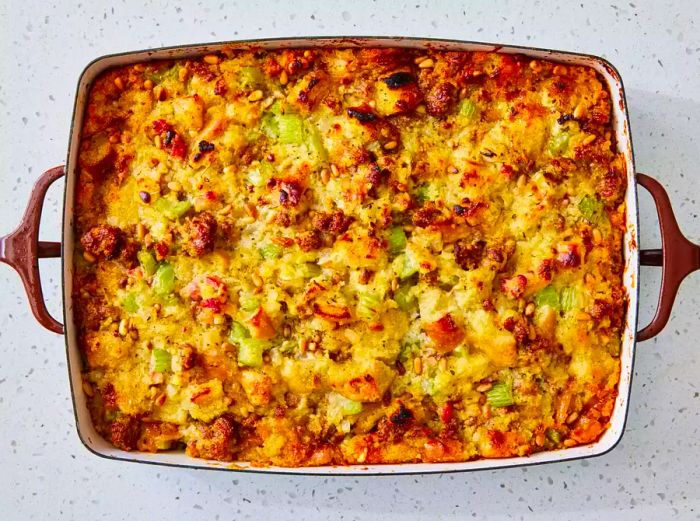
x=172, y=209
x=147, y=261
x=161, y=360
x=590, y=207
x=468, y=108
x=164, y=279
x=405, y=298
x=500, y=395
x=271, y=251
x=397, y=240
x=269, y=125
x=291, y=129
x=368, y=305
x=426, y=192
x=345, y=406
x=571, y=298
x=309, y=270
x=238, y=332
x=249, y=303
x=558, y=144
x=251, y=77
x=129, y=303
x=548, y=296
x=250, y=351
x=409, y=267
x=553, y=435
x=316, y=143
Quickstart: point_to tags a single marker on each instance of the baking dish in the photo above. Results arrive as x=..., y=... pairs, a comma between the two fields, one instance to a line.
x=678, y=256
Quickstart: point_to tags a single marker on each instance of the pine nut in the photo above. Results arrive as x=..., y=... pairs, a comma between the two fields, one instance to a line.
x=148, y=84
x=119, y=83
x=256, y=95
x=159, y=93
x=211, y=59
x=140, y=231
x=482, y=388
x=417, y=365
x=88, y=390
x=123, y=327
x=530, y=309
x=284, y=78
x=391, y=145
x=251, y=210
x=426, y=64
x=89, y=257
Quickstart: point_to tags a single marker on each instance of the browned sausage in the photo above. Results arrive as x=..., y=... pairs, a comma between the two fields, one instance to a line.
x=102, y=241
x=199, y=235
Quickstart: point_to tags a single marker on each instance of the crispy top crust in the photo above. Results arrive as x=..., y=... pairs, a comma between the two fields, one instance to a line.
x=312, y=257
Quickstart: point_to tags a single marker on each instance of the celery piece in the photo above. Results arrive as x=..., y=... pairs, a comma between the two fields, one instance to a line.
x=291, y=129
x=172, y=209
x=316, y=143
x=409, y=267
x=238, y=332
x=548, y=297
x=129, y=303
x=590, y=207
x=270, y=251
x=397, y=240
x=404, y=298
x=164, y=279
x=570, y=298
x=256, y=177
x=558, y=144
x=409, y=350
x=346, y=407
x=269, y=125
x=251, y=77
x=250, y=351
x=309, y=270
x=147, y=261
x=368, y=305
x=161, y=360
x=468, y=108
x=249, y=303
x=500, y=395
x=426, y=192
x=277, y=108
x=553, y=435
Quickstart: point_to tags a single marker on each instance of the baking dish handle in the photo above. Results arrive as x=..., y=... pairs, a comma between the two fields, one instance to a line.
x=678, y=257
x=22, y=249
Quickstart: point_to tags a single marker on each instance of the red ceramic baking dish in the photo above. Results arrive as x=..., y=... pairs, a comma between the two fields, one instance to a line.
x=677, y=257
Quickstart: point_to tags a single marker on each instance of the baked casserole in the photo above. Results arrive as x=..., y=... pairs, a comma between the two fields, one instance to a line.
x=350, y=256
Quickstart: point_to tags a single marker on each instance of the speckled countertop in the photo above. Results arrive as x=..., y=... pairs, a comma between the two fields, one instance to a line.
x=46, y=473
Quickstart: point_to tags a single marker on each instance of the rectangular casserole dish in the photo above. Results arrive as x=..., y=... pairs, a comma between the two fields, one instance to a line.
x=678, y=257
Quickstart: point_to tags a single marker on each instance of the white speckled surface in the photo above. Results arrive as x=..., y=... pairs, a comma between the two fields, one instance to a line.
x=46, y=473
